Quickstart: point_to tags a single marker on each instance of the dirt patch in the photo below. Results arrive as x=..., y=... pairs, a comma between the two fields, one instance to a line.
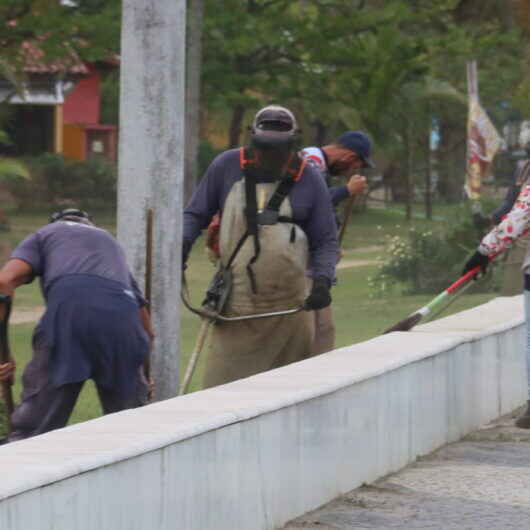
x=373, y=248
x=346, y=263
x=26, y=316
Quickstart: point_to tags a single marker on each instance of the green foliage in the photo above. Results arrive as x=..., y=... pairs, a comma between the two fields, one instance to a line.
x=207, y=152
x=427, y=260
x=87, y=30
x=91, y=28
x=110, y=98
x=56, y=182
x=11, y=169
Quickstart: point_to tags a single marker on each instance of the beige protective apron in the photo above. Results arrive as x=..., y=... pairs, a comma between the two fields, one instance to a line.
x=241, y=349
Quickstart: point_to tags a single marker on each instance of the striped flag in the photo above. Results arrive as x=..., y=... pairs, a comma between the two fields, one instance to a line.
x=483, y=140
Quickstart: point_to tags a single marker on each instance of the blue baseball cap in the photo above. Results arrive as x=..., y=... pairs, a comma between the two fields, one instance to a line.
x=359, y=143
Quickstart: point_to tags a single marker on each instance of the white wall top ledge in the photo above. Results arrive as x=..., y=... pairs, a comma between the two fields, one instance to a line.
x=67, y=452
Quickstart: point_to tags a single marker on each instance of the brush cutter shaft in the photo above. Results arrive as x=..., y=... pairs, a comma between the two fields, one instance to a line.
x=408, y=323
x=464, y=279
x=215, y=317
x=450, y=301
x=199, y=345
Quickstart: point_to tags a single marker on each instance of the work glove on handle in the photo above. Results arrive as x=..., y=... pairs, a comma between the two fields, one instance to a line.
x=476, y=260
x=320, y=296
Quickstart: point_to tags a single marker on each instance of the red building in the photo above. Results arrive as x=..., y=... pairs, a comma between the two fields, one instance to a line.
x=83, y=134
x=59, y=110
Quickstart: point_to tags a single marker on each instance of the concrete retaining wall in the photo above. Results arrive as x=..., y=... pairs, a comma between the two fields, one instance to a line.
x=255, y=453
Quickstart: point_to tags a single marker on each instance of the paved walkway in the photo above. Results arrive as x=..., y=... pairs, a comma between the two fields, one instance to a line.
x=482, y=483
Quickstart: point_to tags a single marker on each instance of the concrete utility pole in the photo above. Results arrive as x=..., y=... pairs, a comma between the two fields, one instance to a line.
x=151, y=165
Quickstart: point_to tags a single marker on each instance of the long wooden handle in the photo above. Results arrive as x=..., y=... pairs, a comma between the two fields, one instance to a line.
x=5, y=354
x=199, y=345
x=347, y=214
x=148, y=284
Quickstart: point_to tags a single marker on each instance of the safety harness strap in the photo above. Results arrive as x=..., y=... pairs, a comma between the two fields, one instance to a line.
x=292, y=172
x=251, y=214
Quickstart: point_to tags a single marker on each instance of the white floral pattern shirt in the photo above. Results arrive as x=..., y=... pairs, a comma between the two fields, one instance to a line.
x=515, y=224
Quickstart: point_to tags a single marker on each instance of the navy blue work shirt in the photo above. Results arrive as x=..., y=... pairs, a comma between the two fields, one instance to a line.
x=92, y=322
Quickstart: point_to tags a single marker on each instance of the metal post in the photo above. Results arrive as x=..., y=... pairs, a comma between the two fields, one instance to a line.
x=151, y=165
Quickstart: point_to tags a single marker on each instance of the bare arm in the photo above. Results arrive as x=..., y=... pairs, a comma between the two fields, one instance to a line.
x=145, y=319
x=7, y=371
x=13, y=274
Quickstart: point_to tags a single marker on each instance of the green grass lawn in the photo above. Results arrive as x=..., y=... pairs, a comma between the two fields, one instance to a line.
x=357, y=316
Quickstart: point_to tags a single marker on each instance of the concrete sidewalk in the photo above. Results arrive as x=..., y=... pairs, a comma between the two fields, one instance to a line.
x=482, y=482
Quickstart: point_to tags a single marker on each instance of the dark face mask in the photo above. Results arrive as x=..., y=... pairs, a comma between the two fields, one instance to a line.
x=272, y=162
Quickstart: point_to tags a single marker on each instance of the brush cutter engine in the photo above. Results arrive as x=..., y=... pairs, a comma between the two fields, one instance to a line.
x=218, y=291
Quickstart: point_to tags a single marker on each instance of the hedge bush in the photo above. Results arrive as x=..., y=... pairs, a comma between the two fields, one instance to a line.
x=56, y=181
x=428, y=260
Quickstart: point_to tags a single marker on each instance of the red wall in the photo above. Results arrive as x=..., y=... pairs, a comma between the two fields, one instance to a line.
x=82, y=104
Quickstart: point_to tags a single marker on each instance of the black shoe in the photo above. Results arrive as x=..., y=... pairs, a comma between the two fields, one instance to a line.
x=523, y=421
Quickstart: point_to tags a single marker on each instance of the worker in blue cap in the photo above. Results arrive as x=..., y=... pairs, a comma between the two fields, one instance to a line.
x=344, y=158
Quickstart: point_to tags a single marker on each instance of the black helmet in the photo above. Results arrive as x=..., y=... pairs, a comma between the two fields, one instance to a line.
x=70, y=212
x=274, y=127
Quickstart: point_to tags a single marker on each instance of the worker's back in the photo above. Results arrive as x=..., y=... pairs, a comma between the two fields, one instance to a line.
x=66, y=247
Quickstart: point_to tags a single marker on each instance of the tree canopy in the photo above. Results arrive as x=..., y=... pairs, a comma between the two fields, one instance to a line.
x=90, y=29
x=393, y=67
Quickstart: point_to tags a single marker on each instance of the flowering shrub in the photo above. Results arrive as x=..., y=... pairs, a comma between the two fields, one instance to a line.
x=427, y=261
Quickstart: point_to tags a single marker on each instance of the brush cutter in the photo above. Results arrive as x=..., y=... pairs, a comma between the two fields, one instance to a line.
x=210, y=313
x=449, y=295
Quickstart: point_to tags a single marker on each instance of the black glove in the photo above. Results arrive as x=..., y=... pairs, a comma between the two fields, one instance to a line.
x=476, y=260
x=319, y=296
x=481, y=222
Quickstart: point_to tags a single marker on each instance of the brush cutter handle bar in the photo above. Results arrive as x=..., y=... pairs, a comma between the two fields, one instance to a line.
x=262, y=315
x=464, y=279
x=216, y=317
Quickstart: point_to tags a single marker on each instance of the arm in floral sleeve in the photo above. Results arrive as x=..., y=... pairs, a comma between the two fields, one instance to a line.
x=515, y=224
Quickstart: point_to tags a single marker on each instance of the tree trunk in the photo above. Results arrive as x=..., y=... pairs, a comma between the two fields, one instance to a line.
x=410, y=185
x=193, y=94
x=320, y=133
x=428, y=184
x=451, y=160
x=236, y=125
x=428, y=174
x=393, y=179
